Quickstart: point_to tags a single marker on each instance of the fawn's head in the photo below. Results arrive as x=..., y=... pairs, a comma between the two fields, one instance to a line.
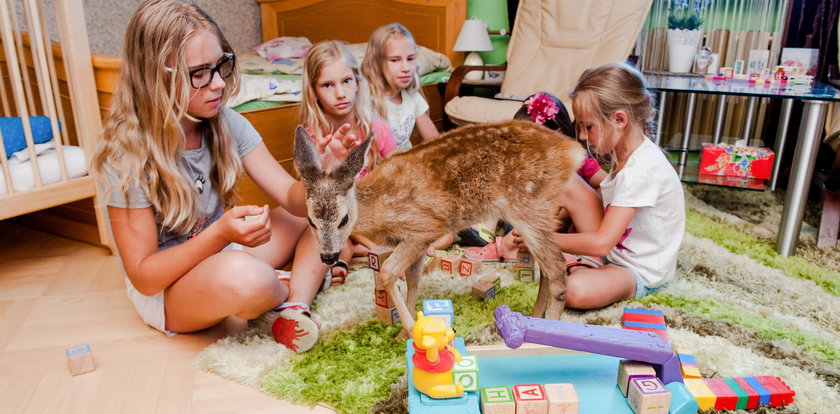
x=330, y=197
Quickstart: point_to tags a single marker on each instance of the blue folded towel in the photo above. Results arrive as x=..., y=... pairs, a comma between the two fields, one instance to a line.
x=12, y=129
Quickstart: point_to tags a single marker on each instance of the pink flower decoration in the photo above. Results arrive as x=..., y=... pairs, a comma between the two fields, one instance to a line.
x=541, y=108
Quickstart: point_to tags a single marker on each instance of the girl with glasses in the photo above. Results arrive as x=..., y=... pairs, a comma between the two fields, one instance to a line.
x=170, y=157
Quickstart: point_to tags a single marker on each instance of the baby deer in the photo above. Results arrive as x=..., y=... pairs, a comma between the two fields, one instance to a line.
x=515, y=170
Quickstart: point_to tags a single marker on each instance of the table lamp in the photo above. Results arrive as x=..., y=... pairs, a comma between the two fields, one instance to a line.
x=473, y=38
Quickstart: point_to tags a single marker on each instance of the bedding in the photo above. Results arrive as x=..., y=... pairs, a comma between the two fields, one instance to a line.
x=275, y=82
x=20, y=168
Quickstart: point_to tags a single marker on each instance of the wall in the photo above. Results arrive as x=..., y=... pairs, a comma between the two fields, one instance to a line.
x=107, y=19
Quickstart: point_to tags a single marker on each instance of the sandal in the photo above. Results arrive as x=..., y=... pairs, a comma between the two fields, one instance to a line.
x=295, y=327
x=488, y=253
x=339, y=270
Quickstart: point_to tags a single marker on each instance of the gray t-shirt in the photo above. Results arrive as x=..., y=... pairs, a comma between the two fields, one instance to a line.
x=198, y=167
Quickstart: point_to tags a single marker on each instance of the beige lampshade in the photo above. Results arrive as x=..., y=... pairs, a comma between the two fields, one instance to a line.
x=473, y=37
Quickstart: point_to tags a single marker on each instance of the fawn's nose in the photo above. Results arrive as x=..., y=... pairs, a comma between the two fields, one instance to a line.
x=329, y=259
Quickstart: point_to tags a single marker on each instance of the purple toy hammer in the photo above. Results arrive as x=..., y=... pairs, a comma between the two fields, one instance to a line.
x=648, y=347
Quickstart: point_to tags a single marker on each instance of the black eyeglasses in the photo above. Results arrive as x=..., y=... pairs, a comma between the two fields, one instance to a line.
x=202, y=77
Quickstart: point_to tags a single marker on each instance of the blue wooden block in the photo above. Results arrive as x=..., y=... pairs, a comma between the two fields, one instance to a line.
x=644, y=311
x=644, y=325
x=441, y=308
x=763, y=393
x=682, y=402
x=419, y=403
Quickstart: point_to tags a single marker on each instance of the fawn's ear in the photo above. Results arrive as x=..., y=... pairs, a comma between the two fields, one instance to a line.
x=307, y=161
x=350, y=168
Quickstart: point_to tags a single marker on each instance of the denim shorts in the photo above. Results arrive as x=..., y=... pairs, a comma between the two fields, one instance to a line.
x=641, y=289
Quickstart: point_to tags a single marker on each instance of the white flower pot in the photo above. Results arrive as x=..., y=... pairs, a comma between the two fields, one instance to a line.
x=682, y=45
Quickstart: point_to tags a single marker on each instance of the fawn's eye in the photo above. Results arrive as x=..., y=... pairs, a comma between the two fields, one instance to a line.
x=344, y=221
x=311, y=224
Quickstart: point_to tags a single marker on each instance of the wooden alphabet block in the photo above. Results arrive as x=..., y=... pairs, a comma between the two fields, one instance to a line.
x=429, y=264
x=524, y=260
x=487, y=287
x=530, y=399
x=562, y=398
x=387, y=315
x=382, y=299
x=377, y=256
x=525, y=274
x=627, y=370
x=648, y=396
x=465, y=372
x=441, y=308
x=449, y=264
x=468, y=267
x=79, y=359
x=497, y=400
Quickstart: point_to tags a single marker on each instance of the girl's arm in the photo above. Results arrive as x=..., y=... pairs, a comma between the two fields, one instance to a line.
x=426, y=127
x=272, y=178
x=601, y=241
x=151, y=271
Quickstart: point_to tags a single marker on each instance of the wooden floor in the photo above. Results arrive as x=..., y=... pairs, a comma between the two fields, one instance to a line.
x=56, y=293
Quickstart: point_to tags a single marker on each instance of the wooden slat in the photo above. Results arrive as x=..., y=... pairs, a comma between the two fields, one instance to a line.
x=51, y=195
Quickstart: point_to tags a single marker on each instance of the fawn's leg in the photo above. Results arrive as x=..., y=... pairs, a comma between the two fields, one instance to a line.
x=412, y=281
x=537, y=232
x=395, y=266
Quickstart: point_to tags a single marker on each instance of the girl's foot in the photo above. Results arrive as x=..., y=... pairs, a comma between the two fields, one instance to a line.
x=339, y=272
x=295, y=327
x=492, y=252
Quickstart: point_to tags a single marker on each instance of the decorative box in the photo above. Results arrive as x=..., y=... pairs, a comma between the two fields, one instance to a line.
x=734, y=161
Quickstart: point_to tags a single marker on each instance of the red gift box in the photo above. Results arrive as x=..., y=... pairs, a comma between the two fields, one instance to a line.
x=734, y=161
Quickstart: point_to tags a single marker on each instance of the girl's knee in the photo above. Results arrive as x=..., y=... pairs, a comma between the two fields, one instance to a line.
x=245, y=276
x=577, y=292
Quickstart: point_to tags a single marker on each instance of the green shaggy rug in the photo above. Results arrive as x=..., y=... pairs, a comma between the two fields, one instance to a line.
x=741, y=308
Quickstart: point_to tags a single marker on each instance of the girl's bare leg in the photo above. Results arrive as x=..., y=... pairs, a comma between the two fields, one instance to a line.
x=227, y=283
x=588, y=288
x=307, y=270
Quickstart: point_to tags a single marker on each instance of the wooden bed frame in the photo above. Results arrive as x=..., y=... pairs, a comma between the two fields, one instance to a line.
x=433, y=23
x=40, y=77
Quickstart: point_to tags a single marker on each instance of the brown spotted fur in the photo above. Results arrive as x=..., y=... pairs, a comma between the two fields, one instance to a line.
x=516, y=170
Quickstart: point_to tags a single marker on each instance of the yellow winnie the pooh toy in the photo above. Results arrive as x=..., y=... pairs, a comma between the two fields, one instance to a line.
x=434, y=357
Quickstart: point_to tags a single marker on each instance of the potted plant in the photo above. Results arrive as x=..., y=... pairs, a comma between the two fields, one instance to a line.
x=684, y=33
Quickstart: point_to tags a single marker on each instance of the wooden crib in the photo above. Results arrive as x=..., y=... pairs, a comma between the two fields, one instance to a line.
x=41, y=77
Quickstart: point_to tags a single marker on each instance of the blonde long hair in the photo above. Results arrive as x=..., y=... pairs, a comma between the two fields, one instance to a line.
x=142, y=139
x=603, y=90
x=376, y=59
x=311, y=113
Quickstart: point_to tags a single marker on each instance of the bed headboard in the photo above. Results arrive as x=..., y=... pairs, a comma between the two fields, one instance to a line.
x=434, y=23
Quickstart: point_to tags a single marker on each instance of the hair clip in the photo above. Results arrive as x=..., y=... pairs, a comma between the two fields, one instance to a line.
x=168, y=69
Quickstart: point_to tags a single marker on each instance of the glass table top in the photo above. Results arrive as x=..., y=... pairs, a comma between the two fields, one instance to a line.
x=690, y=173
x=676, y=83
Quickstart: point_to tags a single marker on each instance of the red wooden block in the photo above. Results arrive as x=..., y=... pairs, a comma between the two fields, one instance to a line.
x=726, y=398
x=752, y=399
x=644, y=318
x=780, y=393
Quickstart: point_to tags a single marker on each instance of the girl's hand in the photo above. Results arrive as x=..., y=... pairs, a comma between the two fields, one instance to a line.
x=518, y=242
x=341, y=135
x=247, y=225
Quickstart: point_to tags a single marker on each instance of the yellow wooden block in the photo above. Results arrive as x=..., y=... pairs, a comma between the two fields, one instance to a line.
x=691, y=372
x=701, y=392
